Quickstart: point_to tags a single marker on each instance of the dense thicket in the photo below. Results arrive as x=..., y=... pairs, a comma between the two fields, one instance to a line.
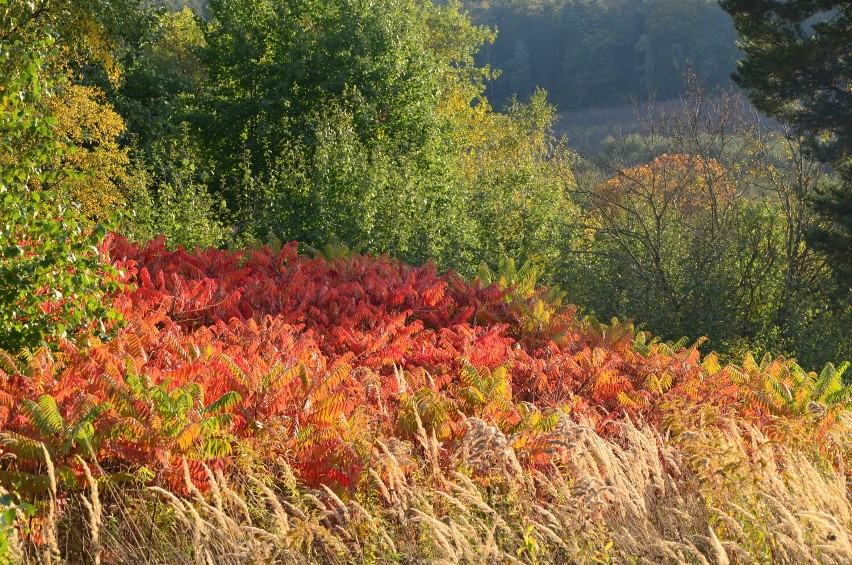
x=337, y=119
x=361, y=380
x=51, y=274
x=590, y=53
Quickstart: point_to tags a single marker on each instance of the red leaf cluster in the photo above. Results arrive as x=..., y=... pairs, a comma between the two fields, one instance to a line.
x=324, y=357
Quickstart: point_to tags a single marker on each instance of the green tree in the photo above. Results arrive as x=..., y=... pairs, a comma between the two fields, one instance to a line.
x=324, y=118
x=336, y=118
x=812, y=314
x=52, y=275
x=168, y=193
x=161, y=72
x=798, y=68
x=90, y=33
x=675, y=236
x=520, y=178
x=172, y=201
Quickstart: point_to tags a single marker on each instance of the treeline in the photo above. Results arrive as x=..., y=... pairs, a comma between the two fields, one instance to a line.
x=589, y=53
x=370, y=124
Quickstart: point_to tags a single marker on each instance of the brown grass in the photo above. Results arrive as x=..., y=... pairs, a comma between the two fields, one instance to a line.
x=720, y=494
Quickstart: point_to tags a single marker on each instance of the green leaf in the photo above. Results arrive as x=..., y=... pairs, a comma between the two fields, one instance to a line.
x=224, y=403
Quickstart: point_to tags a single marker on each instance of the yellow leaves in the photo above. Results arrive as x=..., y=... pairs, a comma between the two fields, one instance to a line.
x=178, y=44
x=472, y=396
x=500, y=383
x=130, y=428
x=332, y=382
x=133, y=346
x=239, y=375
x=91, y=128
x=330, y=410
x=749, y=365
x=625, y=400
x=686, y=183
x=278, y=378
x=215, y=447
x=187, y=436
x=474, y=121
x=485, y=391
x=6, y=400
x=90, y=41
x=711, y=364
x=659, y=384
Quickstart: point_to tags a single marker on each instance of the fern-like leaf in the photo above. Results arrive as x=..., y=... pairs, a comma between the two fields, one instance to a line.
x=224, y=403
x=187, y=436
x=215, y=447
x=44, y=416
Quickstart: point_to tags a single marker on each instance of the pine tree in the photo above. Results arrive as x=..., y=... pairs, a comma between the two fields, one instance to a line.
x=798, y=69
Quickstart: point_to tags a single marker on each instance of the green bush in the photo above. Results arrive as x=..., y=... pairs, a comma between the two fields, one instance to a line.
x=52, y=274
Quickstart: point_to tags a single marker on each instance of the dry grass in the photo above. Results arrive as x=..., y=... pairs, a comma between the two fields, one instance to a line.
x=722, y=494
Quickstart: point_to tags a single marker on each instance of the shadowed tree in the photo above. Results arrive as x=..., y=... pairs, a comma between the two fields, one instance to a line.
x=798, y=68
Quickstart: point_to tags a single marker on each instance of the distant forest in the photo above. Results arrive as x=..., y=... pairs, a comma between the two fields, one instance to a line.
x=592, y=53
x=595, y=53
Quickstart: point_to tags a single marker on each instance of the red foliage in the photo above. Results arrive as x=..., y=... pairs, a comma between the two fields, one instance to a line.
x=324, y=356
